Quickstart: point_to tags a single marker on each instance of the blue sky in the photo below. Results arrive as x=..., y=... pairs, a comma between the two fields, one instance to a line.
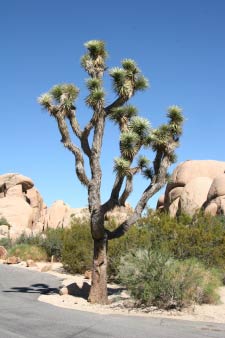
x=179, y=45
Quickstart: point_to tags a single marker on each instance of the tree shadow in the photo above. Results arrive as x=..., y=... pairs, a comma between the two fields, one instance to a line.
x=83, y=292
x=40, y=288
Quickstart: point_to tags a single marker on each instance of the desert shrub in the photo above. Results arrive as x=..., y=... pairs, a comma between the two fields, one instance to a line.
x=202, y=237
x=29, y=239
x=135, y=238
x=154, y=278
x=52, y=242
x=27, y=251
x=77, y=247
x=6, y=242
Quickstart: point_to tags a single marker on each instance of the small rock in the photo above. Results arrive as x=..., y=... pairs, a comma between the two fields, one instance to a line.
x=13, y=260
x=30, y=263
x=63, y=291
x=46, y=267
x=88, y=274
x=3, y=252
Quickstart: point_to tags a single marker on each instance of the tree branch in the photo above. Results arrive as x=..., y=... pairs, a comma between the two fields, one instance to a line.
x=120, y=101
x=156, y=184
x=74, y=123
x=80, y=171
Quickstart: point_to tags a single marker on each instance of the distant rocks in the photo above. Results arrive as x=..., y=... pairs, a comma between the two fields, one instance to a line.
x=195, y=185
x=23, y=207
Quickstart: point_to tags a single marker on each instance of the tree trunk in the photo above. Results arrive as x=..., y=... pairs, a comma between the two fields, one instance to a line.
x=98, y=293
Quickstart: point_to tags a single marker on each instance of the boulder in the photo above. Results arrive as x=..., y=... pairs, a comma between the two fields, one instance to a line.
x=211, y=209
x=17, y=191
x=174, y=207
x=191, y=169
x=13, y=260
x=217, y=187
x=3, y=252
x=174, y=194
x=10, y=180
x=160, y=203
x=194, y=195
x=119, y=214
x=18, y=213
x=189, y=190
x=60, y=215
x=35, y=200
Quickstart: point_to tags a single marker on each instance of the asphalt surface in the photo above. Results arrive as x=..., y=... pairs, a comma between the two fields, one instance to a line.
x=23, y=316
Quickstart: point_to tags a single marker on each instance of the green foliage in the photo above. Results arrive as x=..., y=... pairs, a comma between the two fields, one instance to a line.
x=143, y=162
x=120, y=114
x=140, y=126
x=6, y=242
x=135, y=238
x=154, y=278
x=130, y=66
x=69, y=90
x=77, y=248
x=30, y=240
x=93, y=84
x=27, y=251
x=95, y=98
x=53, y=242
x=3, y=221
x=96, y=48
x=128, y=144
x=121, y=166
x=45, y=100
x=202, y=237
x=175, y=114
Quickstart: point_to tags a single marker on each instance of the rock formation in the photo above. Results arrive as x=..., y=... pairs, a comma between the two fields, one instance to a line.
x=24, y=209
x=195, y=185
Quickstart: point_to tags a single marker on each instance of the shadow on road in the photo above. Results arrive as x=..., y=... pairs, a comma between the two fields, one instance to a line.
x=42, y=289
x=83, y=292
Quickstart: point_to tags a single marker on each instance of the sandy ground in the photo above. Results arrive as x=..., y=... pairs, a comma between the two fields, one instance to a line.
x=119, y=299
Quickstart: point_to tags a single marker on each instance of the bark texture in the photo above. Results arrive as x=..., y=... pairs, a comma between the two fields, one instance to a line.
x=98, y=293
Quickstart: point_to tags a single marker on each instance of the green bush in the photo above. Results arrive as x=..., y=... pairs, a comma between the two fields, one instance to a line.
x=77, y=250
x=29, y=239
x=154, y=278
x=52, y=242
x=27, y=251
x=202, y=237
x=135, y=238
x=6, y=242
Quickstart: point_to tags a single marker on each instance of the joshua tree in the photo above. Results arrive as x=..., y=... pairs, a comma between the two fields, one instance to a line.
x=135, y=133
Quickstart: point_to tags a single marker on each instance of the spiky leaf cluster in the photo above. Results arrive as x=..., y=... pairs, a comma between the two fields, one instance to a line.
x=128, y=79
x=96, y=98
x=140, y=126
x=45, y=100
x=62, y=94
x=147, y=173
x=143, y=162
x=121, y=167
x=65, y=91
x=93, y=84
x=94, y=60
x=128, y=144
x=160, y=138
x=175, y=120
x=122, y=115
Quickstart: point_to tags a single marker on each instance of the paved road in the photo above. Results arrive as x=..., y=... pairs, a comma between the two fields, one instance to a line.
x=23, y=316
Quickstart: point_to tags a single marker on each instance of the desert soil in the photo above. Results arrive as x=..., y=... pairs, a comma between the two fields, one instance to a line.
x=120, y=302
